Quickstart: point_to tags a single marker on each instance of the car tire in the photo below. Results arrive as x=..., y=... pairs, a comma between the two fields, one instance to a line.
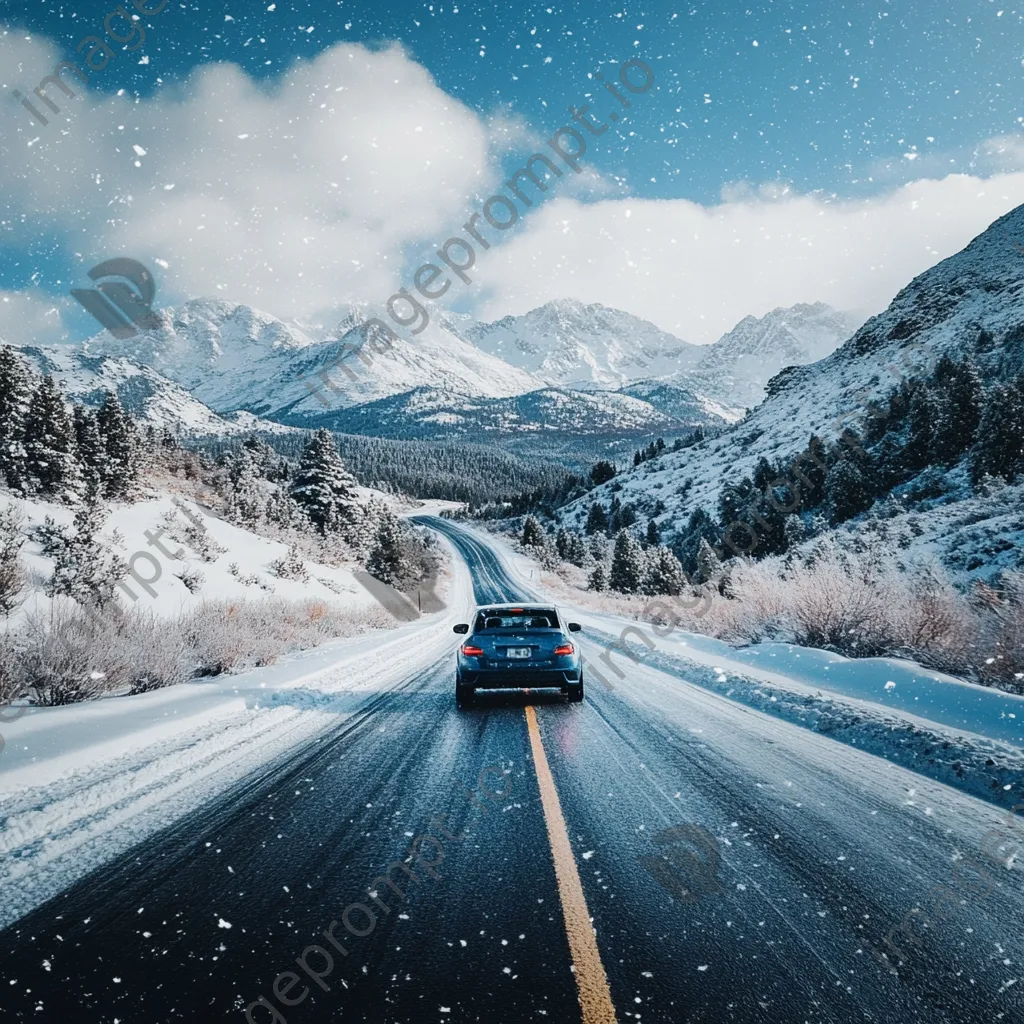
x=574, y=691
x=463, y=695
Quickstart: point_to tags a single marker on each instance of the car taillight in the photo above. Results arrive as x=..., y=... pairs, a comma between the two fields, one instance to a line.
x=473, y=652
x=564, y=649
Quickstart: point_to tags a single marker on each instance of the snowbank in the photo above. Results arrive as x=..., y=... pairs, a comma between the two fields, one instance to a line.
x=81, y=784
x=967, y=736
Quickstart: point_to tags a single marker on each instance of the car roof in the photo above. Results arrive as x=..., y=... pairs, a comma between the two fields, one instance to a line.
x=518, y=607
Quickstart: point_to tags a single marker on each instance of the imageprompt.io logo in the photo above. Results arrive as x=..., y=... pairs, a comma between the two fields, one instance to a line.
x=687, y=867
x=123, y=309
x=402, y=606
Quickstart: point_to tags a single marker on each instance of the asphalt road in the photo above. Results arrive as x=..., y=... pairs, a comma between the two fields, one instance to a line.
x=789, y=850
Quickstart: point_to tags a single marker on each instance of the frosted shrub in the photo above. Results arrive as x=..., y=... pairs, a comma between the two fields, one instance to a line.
x=1002, y=653
x=198, y=538
x=236, y=635
x=290, y=566
x=10, y=677
x=71, y=654
x=12, y=574
x=247, y=579
x=193, y=577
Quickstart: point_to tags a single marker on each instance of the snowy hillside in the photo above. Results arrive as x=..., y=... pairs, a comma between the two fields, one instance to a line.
x=680, y=403
x=574, y=425
x=207, y=570
x=569, y=343
x=736, y=368
x=967, y=305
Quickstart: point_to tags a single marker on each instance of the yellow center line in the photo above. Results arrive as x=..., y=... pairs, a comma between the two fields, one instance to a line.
x=591, y=980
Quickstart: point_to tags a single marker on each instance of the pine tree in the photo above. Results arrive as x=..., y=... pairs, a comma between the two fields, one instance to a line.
x=846, y=492
x=598, y=547
x=12, y=574
x=653, y=533
x=664, y=573
x=709, y=565
x=324, y=488
x=999, y=450
x=51, y=467
x=795, y=531
x=246, y=504
x=283, y=510
x=576, y=549
x=919, y=450
x=562, y=543
x=687, y=546
x=763, y=474
x=16, y=386
x=597, y=520
x=602, y=472
x=533, y=535
x=960, y=411
x=122, y=447
x=809, y=469
x=623, y=515
x=628, y=570
x=84, y=568
x=598, y=581
x=388, y=561
x=89, y=445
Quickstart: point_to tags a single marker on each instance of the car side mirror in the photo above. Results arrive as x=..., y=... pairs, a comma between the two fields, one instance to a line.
x=462, y=627
x=574, y=627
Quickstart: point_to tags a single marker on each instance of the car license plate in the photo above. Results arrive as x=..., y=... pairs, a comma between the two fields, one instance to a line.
x=518, y=652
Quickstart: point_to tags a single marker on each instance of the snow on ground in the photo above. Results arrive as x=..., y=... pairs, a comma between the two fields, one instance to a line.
x=81, y=784
x=964, y=735
x=157, y=583
x=429, y=507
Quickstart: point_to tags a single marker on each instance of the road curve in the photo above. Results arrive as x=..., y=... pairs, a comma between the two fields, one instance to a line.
x=792, y=857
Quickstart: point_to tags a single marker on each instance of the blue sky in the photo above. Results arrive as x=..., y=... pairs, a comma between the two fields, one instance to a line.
x=834, y=100
x=816, y=93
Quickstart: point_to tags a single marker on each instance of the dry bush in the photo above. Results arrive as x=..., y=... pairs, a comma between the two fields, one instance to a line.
x=71, y=655
x=12, y=574
x=10, y=680
x=235, y=635
x=1003, y=661
x=863, y=604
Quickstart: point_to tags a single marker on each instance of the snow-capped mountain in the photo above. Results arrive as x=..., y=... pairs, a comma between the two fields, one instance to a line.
x=969, y=304
x=475, y=378
x=143, y=391
x=680, y=403
x=736, y=368
x=570, y=344
x=232, y=357
x=236, y=359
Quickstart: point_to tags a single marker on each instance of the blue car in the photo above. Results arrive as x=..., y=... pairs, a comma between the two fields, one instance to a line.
x=518, y=645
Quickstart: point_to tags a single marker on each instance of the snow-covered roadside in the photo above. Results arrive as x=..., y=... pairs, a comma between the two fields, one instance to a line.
x=81, y=784
x=966, y=736
x=139, y=533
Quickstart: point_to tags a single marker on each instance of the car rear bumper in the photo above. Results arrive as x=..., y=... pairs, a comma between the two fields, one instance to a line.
x=497, y=679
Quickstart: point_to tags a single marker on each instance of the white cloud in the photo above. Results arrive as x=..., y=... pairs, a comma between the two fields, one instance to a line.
x=294, y=195
x=299, y=194
x=29, y=317
x=696, y=271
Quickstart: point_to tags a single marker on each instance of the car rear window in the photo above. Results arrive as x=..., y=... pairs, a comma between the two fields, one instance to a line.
x=531, y=618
